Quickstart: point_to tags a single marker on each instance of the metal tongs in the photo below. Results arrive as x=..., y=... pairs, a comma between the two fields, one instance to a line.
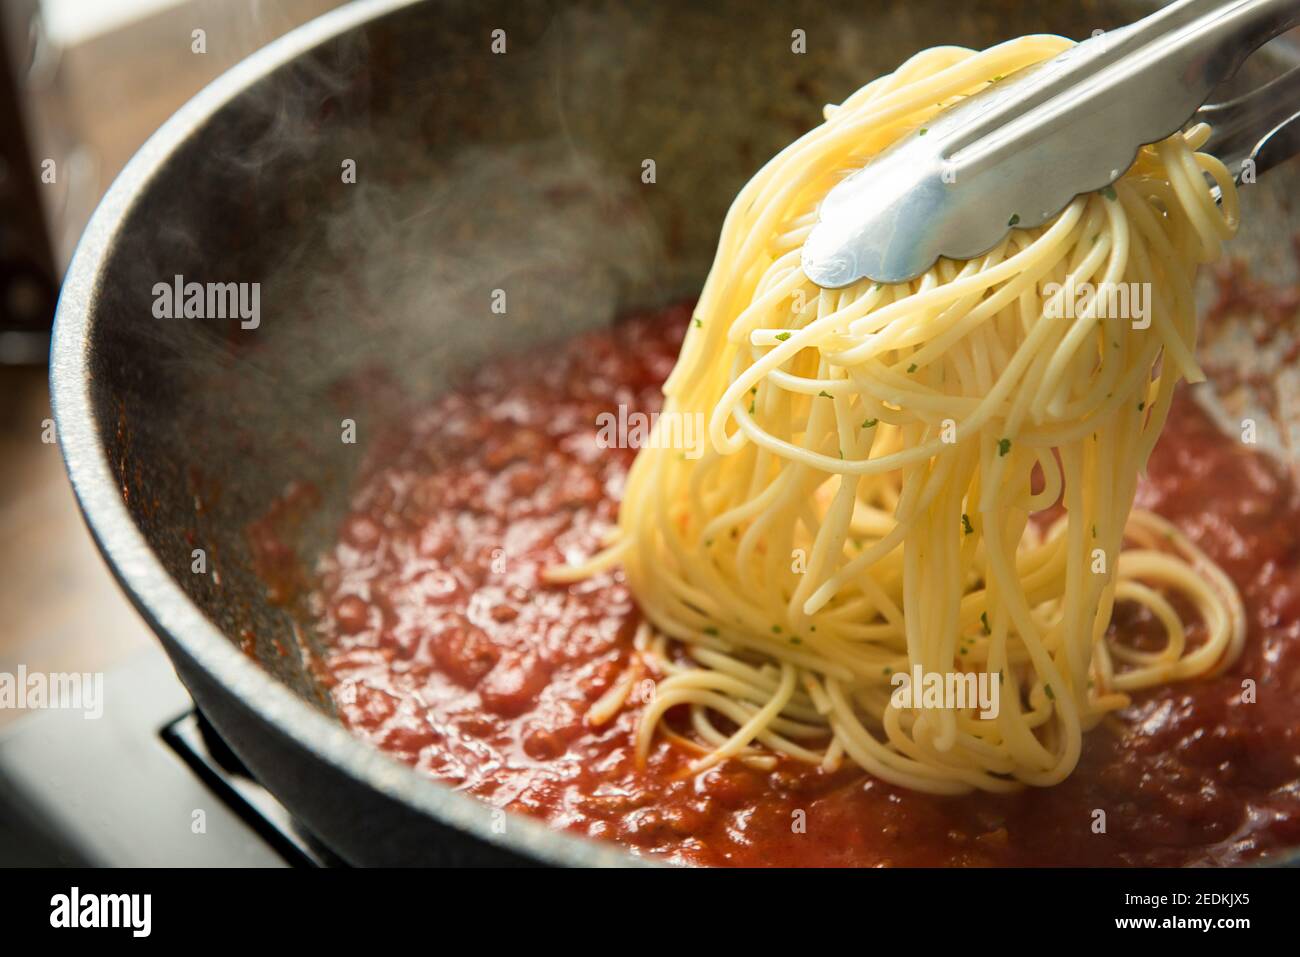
x=1016, y=153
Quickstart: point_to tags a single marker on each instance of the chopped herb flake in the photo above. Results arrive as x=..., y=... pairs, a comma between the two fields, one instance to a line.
x=1004, y=446
x=1015, y=218
x=782, y=336
x=965, y=523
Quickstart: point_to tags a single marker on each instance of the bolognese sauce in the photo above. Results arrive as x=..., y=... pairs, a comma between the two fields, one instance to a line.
x=447, y=650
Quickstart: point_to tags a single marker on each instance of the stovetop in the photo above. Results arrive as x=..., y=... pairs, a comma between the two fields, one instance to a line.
x=147, y=784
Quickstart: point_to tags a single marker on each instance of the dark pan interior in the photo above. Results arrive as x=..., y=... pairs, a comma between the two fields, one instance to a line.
x=475, y=171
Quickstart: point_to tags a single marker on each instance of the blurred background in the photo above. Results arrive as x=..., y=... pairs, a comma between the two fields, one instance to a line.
x=83, y=83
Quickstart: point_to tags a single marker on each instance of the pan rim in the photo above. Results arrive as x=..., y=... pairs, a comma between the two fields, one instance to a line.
x=165, y=607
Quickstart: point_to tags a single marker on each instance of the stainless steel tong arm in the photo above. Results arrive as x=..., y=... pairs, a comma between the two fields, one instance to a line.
x=1018, y=152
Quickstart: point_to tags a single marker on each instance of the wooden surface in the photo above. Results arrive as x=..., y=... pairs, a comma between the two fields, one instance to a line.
x=60, y=608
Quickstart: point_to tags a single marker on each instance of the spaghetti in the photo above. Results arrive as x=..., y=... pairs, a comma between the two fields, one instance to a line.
x=884, y=462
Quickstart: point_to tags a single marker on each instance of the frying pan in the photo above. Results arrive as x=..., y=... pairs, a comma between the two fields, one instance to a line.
x=475, y=170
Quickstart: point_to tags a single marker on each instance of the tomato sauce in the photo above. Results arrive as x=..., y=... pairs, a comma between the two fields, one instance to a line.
x=447, y=651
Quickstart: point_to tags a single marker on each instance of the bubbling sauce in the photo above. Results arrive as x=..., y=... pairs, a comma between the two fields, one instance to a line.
x=448, y=651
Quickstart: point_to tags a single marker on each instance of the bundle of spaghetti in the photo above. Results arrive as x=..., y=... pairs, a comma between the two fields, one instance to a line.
x=884, y=462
